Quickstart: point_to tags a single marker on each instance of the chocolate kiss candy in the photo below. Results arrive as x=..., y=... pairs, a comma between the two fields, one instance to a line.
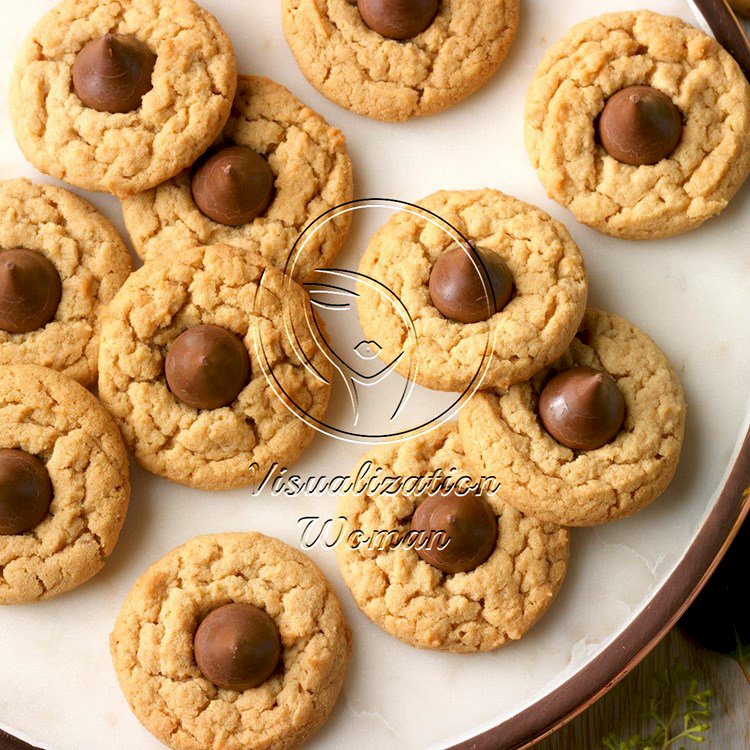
x=461, y=281
x=234, y=186
x=398, y=19
x=640, y=125
x=30, y=291
x=581, y=408
x=237, y=646
x=25, y=491
x=113, y=73
x=470, y=532
x=207, y=367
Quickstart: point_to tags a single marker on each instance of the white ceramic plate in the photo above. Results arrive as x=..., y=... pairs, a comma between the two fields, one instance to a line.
x=690, y=293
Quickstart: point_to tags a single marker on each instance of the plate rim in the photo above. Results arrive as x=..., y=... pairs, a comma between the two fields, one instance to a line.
x=563, y=704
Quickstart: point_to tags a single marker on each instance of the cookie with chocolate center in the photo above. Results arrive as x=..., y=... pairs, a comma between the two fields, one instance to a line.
x=255, y=635
x=121, y=99
x=491, y=294
x=651, y=140
x=276, y=168
x=398, y=59
x=445, y=564
x=61, y=263
x=196, y=368
x=64, y=486
x=593, y=438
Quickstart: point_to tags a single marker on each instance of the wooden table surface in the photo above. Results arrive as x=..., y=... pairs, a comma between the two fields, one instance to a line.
x=619, y=711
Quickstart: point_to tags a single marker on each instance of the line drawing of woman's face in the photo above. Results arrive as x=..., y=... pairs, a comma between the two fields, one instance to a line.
x=355, y=358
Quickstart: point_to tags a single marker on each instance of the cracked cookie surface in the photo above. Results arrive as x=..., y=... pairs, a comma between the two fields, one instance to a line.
x=533, y=329
x=54, y=418
x=313, y=174
x=152, y=645
x=193, y=85
x=386, y=79
x=90, y=258
x=464, y=612
x=233, y=446
x=537, y=475
x=594, y=61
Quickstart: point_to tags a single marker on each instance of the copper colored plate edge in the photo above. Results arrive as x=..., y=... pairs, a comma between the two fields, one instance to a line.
x=727, y=29
x=7, y=742
x=666, y=607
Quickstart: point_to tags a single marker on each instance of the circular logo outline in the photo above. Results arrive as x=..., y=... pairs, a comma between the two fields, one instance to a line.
x=287, y=398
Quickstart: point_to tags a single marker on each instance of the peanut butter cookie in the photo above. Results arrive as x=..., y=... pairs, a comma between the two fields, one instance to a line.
x=620, y=191
x=195, y=366
x=61, y=452
x=153, y=653
x=554, y=483
x=543, y=308
x=118, y=97
x=395, y=79
x=61, y=262
x=478, y=609
x=310, y=169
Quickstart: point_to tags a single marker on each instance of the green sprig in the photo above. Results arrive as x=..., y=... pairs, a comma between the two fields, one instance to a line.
x=678, y=713
x=742, y=656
